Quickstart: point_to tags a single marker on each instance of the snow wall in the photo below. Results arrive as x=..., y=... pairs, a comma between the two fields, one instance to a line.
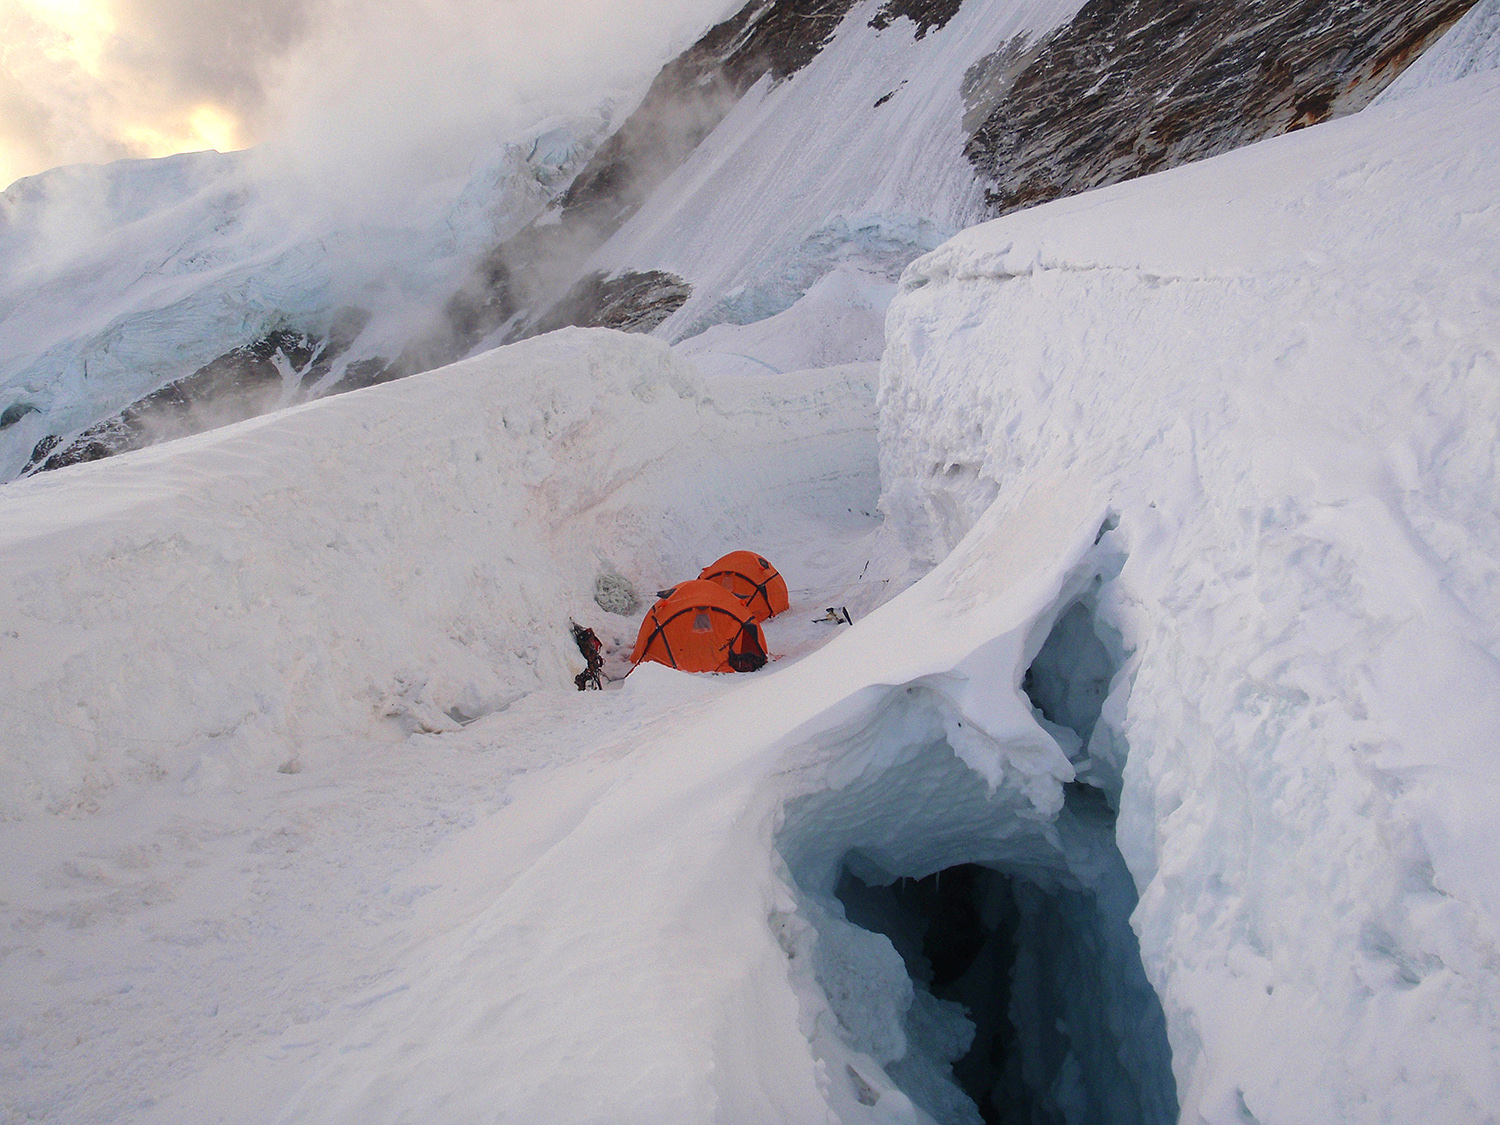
x=404, y=558
x=1280, y=369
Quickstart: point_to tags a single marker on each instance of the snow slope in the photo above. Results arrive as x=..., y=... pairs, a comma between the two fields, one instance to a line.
x=120, y=282
x=862, y=150
x=1471, y=46
x=1279, y=369
x=393, y=559
x=636, y=947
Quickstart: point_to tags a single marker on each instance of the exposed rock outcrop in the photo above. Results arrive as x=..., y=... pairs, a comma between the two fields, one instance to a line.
x=240, y=384
x=926, y=14
x=631, y=302
x=1136, y=86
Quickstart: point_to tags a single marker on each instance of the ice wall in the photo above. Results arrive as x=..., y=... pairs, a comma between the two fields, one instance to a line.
x=1018, y=994
x=1279, y=368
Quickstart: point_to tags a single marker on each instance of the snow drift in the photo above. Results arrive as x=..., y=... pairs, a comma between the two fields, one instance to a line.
x=1279, y=369
x=656, y=933
x=406, y=556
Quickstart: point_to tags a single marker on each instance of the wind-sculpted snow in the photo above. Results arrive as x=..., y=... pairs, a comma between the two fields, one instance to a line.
x=1280, y=370
x=304, y=821
x=406, y=557
x=653, y=935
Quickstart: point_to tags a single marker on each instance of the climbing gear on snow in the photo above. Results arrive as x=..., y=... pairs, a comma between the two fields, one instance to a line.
x=592, y=648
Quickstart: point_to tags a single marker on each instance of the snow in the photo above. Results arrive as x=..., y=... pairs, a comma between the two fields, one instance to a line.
x=1278, y=369
x=284, y=581
x=1169, y=543
x=117, y=280
x=840, y=319
x=1471, y=46
x=855, y=183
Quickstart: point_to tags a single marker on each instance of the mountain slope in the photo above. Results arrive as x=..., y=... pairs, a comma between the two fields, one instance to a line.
x=794, y=139
x=118, y=282
x=908, y=127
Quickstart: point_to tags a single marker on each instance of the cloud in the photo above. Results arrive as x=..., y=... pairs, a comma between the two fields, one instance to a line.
x=368, y=84
x=95, y=80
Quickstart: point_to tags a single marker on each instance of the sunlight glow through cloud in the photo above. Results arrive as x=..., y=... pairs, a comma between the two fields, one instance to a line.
x=203, y=127
x=96, y=80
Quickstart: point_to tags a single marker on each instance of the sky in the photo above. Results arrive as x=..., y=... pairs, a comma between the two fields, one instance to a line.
x=98, y=80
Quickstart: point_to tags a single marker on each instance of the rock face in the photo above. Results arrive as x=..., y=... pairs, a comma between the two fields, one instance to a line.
x=243, y=383
x=685, y=103
x=926, y=14
x=632, y=302
x=1136, y=86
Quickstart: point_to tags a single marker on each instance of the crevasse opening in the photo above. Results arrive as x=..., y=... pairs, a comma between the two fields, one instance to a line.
x=975, y=956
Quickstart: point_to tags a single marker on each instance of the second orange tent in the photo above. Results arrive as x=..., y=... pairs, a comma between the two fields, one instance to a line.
x=753, y=580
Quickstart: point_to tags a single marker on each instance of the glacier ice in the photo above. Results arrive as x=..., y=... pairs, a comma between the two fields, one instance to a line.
x=974, y=945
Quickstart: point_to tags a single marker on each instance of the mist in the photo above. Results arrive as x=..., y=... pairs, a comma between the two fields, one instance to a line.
x=364, y=97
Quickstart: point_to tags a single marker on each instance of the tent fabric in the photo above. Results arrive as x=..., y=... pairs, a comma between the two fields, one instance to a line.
x=700, y=626
x=751, y=578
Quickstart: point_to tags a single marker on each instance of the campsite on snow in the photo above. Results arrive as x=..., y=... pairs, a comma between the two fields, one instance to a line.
x=920, y=561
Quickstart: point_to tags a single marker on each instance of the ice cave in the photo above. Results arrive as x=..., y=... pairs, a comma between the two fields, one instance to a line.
x=953, y=926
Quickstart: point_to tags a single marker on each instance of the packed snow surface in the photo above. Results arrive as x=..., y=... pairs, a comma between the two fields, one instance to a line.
x=395, y=560
x=304, y=821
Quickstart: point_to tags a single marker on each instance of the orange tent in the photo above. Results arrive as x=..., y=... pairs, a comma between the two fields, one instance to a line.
x=749, y=577
x=700, y=626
